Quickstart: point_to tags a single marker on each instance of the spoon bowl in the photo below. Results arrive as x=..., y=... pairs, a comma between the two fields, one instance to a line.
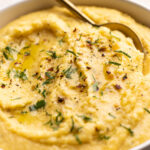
x=113, y=25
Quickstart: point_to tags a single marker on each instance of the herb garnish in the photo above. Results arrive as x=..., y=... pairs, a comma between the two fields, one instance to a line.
x=16, y=98
x=26, y=47
x=26, y=53
x=72, y=127
x=148, y=111
x=77, y=139
x=44, y=93
x=85, y=118
x=59, y=118
x=102, y=93
x=7, y=51
x=95, y=85
x=111, y=115
x=103, y=137
x=122, y=52
x=79, y=37
x=52, y=54
x=38, y=105
x=114, y=63
x=23, y=112
x=68, y=72
x=21, y=75
x=128, y=129
x=54, y=123
x=5, y=55
x=69, y=51
x=50, y=78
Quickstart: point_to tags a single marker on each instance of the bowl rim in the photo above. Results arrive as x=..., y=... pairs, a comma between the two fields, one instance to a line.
x=144, y=145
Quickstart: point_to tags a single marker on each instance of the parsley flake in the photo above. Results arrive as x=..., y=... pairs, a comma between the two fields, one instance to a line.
x=38, y=105
x=122, y=52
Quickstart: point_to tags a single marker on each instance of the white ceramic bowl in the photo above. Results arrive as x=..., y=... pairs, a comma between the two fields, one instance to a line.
x=140, y=12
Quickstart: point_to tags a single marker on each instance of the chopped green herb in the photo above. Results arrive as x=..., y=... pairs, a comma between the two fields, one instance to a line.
x=26, y=47
x=59, y=118
x=5, y=55
x=68, y=72
x=92, y=43
x=8, y=73
x=85, y=118
x=23, y=112
x=21, y=75
x=111, y=115
x=122, y=52
x=68, y=51
x=79, y=37
x=72, y=127
x=128, y=129
x=114, y=63
x=50, y=122
x=103, y=137
x=148, y=111
x=16, y=98
x=49, y=80
x=80, y=75
x=44, y=93
x=38, y=105
x=9, y=49
x=61, y=41
x=102, y=93
x=95, y=85
x=52, y=54
x=77, y=139
x=47, y=74
x=26, y=53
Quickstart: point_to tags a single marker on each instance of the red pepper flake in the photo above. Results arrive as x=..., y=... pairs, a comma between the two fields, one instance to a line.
x=51, y=69
x=117, y=107
x=102, y=49
x=3, y=86
x=118, y=87
x=17, y=63
x=125, y=77
x=60, y=100
x=75, y=29
x=81, y=86
x=108, y=72
x=48, y=59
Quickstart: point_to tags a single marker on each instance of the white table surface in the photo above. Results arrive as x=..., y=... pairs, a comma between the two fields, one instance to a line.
x=5, y=3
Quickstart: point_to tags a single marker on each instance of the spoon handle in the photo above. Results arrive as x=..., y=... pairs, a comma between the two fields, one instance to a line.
x=76, y=11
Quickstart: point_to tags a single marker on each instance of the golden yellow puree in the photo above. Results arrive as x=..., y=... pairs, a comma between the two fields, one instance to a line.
x=65, y=85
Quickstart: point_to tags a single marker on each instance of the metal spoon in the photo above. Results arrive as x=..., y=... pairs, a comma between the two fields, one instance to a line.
x=113, y=25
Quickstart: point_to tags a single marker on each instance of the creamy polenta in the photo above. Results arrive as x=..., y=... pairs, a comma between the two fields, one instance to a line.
x=66, y=85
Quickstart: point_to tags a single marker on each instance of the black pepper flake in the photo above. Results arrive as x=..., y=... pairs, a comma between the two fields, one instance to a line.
x=61, y=100
x=118, y=87
x=124, y=77
x=88, y=68
x=103, y=55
